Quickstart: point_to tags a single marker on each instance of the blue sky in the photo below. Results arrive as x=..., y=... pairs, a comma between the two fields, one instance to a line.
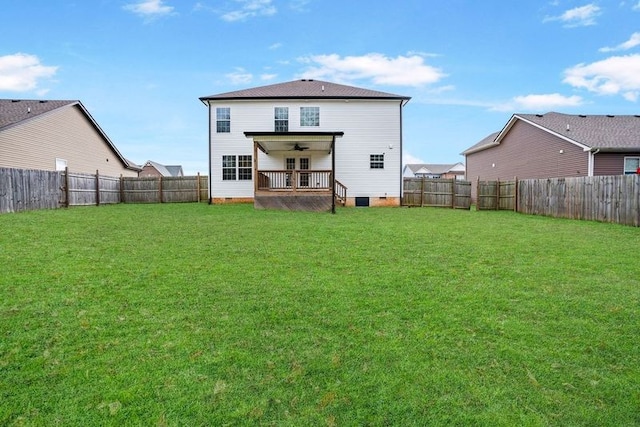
x=139, y=66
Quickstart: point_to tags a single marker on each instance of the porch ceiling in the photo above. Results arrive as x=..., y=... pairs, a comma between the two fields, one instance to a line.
x=287, y=141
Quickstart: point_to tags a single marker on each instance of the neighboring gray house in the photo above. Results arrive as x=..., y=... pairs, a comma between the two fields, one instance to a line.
x=152, y=168
x=296, y=145
x=53, y=135
x=555, y=145
x=444, y=171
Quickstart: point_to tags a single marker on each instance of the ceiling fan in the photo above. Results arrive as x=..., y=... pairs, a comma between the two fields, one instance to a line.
x=297, y=147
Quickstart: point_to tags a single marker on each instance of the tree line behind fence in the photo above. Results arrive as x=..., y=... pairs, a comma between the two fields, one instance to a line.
x=26, y=189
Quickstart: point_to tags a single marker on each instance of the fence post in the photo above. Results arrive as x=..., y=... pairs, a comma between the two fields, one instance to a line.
x=422, y=192
x=97, y=188
x=121, y=188
x=498, y=194
x=515, y=194
x=198, y=188
x=160, y=188
x=477, y=193
x=66, y=186
x=453, y=193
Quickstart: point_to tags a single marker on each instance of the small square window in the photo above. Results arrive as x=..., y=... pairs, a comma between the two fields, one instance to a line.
x=631, y=165
x=61, y=164
x=309, y=116
x=376, y=161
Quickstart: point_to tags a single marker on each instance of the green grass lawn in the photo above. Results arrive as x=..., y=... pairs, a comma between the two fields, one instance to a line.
x=190, y=314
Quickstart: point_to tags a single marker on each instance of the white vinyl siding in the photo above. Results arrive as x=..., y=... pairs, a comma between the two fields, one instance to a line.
x=369, y=126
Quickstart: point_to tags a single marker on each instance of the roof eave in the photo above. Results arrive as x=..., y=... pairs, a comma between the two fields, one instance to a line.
x=206, y=99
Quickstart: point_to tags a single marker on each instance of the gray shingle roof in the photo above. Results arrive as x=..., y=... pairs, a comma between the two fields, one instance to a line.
x=486, y=142
x=606, y=132
x=13, y=111
x=433, y=168
x=166, y=170
x=307, y=89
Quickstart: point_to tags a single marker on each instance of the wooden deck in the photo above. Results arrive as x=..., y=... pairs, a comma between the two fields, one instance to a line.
x=297, y=190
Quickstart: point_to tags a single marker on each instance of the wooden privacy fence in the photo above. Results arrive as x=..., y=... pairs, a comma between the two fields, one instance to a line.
x=497, y=195
x=23, y=189
x=597, y=198
x=174, y=189
x=95, y=189
x=436, y=192
x=27, y=189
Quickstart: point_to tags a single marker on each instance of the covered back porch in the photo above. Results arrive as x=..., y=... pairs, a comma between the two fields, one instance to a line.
x=298, y=186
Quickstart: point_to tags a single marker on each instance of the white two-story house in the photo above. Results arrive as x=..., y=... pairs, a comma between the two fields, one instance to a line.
x=305, y=145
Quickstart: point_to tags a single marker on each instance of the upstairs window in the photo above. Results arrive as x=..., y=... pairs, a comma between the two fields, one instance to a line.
x=376, y=161
x=223, y=120
x=631, y=165
x=309, y=116
x=281, y=115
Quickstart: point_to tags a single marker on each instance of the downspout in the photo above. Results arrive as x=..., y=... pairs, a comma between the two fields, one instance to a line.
x=592, y=161
x=210, y=140
x=401, y=179
x=333, y=174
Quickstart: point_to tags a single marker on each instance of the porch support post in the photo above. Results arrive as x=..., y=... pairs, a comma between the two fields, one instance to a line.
x=255, y=168
x=333, y=174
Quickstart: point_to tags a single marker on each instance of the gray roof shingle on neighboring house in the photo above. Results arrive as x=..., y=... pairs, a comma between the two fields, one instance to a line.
x=594, y=132
x=604, y=132
x=173, y=170
x=437, y=169
x=486, y=142
x=305, y=89
x=14, y=111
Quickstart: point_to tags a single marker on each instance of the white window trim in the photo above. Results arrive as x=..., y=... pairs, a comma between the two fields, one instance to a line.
x=626, y=171
x=61, y=164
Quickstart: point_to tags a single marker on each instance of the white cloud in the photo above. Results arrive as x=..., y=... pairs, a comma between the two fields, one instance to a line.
x=239, y=76
x=539, y=102
x=577, y=17
x=250, y=9
x=382, y=70
x=21, y=72
x=617, y=75
x=275, y=46
x=633, y=41
x=267, y=77
x=149, y=9
x=548, y=101
x=637, y=6
x=299, y=5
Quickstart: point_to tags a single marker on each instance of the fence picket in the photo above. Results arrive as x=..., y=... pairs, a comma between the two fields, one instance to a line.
x=26, y=189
